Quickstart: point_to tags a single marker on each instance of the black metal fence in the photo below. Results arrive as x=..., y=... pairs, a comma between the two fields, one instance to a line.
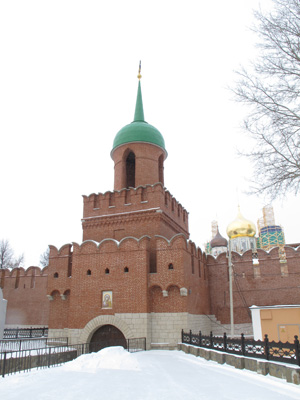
x=25, y=360
x=136, y=344
x=30, y=344
x=15, y=333
x=265, y=349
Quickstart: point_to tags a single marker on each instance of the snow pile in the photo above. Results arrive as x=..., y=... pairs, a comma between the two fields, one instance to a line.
x=108, y=358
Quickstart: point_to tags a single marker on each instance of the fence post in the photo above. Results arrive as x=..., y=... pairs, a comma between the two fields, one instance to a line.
x=49, y=357
x=181, y=335
x=297, y=352
x=190, y=336
x=243, y=344
x=3, y=365
x=266, y=347
x=17, y=333
x=200, y=338
x=211, y=340
x=20, y=345
x=225, y=341
x=30, y=332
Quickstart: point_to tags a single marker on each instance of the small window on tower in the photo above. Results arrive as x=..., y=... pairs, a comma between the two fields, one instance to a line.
x=55, y=275
x=171, y=266
x=89, y=272
x=107, y=271
x=126, y=269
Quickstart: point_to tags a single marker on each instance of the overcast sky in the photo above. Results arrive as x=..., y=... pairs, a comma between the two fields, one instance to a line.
x=68, y=83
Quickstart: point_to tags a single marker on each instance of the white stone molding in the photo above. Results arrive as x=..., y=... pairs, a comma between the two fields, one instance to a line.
x=183, y=291
x=101, y=320
x=3, y=306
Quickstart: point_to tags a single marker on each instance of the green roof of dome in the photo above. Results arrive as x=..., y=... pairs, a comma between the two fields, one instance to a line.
x=139, y=130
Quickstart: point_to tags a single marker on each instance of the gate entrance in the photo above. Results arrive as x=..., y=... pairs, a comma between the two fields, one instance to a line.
x=107, y=336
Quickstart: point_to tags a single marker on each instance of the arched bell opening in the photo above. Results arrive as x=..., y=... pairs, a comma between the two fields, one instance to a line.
x=130, y=170
x=107, y=336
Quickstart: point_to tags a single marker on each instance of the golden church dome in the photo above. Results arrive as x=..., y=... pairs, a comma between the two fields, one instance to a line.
x=240, y=227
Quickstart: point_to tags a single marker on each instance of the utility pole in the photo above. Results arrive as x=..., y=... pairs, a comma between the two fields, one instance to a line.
x=230, y=288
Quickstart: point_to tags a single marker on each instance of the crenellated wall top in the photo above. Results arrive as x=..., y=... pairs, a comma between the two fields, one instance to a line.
x=248, y=255
x=180, y=241
x=37, y=271
x=110, y=245
x=64, y=250
x=141, y=198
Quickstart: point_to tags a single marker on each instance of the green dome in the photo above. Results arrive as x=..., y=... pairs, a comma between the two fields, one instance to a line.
x=139, y=130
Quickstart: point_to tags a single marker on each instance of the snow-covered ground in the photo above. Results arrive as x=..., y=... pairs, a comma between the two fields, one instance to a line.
x=113, y=373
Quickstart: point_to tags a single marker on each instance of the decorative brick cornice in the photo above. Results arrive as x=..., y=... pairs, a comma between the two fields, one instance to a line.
x=140, y=216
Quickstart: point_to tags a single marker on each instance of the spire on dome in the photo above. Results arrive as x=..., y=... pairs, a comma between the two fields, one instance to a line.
x=140, y=67
x=139, y=130
x=139, y=110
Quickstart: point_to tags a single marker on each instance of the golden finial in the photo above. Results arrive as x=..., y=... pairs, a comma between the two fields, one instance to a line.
x=140, y=67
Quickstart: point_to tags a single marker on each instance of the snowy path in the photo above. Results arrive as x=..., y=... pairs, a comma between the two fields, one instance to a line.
x=116, y=374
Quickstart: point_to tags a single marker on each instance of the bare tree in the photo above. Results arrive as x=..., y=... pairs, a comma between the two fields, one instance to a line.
x=7, y=258
x=44, y=258
x=271, y=88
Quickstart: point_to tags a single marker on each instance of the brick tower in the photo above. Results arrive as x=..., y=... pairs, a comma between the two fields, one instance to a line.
x=139, y=204
x=135, y=273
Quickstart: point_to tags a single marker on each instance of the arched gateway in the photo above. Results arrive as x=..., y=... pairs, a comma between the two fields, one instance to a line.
x=97, y=328
x=107, y=336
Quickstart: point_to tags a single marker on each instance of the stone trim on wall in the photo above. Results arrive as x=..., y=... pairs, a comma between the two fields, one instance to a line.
x=3, y=306
x=162, y=330
x=279, y=370
x=101, y=320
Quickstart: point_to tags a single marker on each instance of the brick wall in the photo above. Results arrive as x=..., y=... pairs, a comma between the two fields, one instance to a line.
x=269, y=283
x=25, y=292
x=177, y=287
